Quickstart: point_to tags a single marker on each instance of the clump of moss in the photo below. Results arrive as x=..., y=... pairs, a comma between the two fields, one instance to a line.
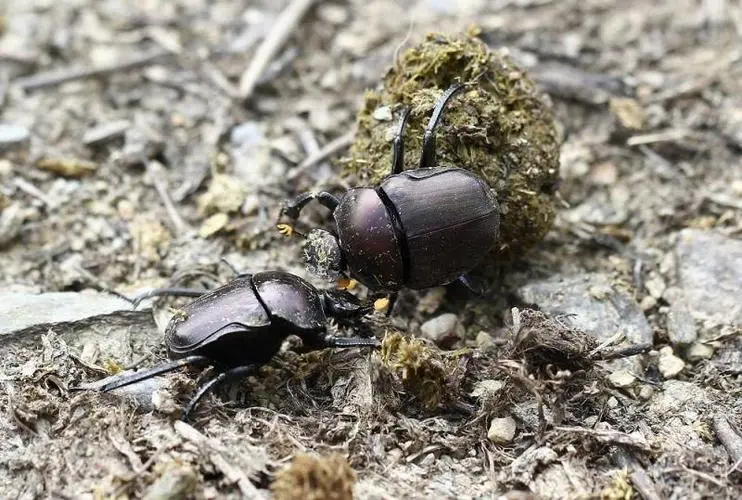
x=315, y=478
x=498, y=127
x=421, y=368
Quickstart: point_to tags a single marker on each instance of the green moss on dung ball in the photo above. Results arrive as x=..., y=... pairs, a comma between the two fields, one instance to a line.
x=498, y=127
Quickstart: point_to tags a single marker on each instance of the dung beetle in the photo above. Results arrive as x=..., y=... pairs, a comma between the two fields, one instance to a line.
x=417, y=229
x=242, y=324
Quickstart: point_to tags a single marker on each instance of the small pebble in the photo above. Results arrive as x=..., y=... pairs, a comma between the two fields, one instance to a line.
x=428, y=460
x=699, y=351
x=612, y=402
x=440, y=328
x=383, y=114
x=12, y=135
x=646, y=392
x=681, y=327
x=655, y=286
x=213, y=225
x=487, y=388
x=621, y=378
x=502, y=430
x=669, y=364
x=67, y=167
x=484, y=341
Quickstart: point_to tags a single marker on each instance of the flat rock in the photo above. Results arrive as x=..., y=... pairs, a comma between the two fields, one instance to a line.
x=12, y=135
x=709, y=269
x=590, y=303
x=22, y=310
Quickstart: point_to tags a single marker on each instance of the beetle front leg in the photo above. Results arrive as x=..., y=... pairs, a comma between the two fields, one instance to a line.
x=292, y=208
x=167, y=292
x=345, y=342
x=428, y=156
x=222, y=377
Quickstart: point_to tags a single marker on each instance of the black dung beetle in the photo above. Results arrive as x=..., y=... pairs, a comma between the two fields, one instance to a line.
x=417, y=229
x=242, y=324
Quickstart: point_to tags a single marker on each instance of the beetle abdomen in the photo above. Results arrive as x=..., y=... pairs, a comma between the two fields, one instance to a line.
x=368, y=240
x=291, y=300
x=231, y=308
x=450, y=219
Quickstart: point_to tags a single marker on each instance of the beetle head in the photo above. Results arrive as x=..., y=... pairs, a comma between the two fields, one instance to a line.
x=324, y=256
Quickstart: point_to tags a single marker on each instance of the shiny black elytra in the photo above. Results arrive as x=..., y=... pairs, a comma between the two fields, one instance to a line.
x=417, y=229
x=242, y=324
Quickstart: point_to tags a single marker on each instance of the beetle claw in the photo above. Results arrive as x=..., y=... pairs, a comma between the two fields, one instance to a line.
x=381, y=304
x=286, y=229
x=346, y=284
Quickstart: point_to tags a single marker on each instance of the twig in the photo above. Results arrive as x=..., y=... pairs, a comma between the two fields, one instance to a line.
x=728, y=437
x=609, y=437
x=212, y=449
x=698, y=473
x=670, y=135
x=623, y=352
x=155, y=171
x=57, y=77
x=32, y=190
x=275, y=39
x=639, y=478
x=334, y=146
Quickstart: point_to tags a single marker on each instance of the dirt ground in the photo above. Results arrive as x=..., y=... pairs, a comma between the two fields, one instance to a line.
x=130, y=159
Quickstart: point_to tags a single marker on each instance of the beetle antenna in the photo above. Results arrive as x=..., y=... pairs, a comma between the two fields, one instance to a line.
x=427, y=158
x=125, y=379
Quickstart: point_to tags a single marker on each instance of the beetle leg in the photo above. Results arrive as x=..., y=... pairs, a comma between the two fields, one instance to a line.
x=125, y=379
x=167, y=292
x=230, y=374
x=427, y=158
x=473, y=287
x=385, y=303
x=398, y=144
x=350, y=342
x=292, y=208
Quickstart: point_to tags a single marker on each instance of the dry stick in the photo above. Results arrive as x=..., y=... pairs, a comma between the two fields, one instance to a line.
x=728, y=437
x=639, y=478
x=275, y=39
x=155, y=172
x=57, y=77
x=334, y=146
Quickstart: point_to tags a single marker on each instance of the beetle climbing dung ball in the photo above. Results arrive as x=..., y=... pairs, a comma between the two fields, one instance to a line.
x=499, y=127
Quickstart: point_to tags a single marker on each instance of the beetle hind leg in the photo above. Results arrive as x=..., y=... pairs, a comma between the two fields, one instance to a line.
x=118, y=381
x=428, y=156
x=398, y=143
x=224, y=376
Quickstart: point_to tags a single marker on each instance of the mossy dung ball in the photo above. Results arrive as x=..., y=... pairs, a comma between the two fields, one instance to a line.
x=498, y=127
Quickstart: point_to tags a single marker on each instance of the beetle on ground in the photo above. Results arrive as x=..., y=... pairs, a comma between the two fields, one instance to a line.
x=417, y=229
x=242, y=325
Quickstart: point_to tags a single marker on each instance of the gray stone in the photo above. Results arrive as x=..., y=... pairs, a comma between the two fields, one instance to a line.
x=251, y=155
x=502, y=430
x=709, y=268
x=440, y=328
x=669, y=365
x=591, y=304
x=681, y=327
x=12, y=135
x=19, y=311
